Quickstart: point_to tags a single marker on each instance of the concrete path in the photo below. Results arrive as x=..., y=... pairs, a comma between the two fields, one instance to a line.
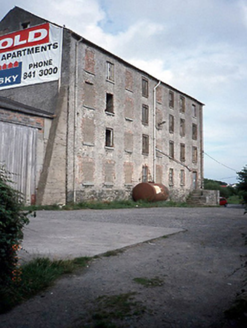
x=72, y=234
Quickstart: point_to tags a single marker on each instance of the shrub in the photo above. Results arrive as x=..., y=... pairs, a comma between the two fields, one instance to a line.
x=12, y=220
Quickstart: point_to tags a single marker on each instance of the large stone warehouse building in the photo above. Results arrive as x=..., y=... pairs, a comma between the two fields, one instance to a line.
x=78, y=123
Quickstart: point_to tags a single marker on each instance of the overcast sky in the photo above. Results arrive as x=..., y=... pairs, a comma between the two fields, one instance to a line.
x=198, y=47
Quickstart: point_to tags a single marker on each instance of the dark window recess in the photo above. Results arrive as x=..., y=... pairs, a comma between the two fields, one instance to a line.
x=109, y=138
x=182, y=127
x=171, y=99
x=171, y=149
x=25, y=25
x=194, y=131
x=144, y=114
x=171, y=123
x=145, y=88
x=182, y=152
x=145, y=144
x=182, y=104
x=109, y=103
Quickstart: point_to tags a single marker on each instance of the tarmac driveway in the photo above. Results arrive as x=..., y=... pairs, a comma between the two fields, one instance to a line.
x=200, y=264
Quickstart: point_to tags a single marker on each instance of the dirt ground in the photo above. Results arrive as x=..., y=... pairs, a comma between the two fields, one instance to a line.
x=186, y=280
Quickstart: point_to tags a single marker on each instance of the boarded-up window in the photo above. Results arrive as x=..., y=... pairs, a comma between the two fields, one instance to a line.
x=182, y=152
x=145, y=144
x=159, y=94
x=110, y=71
x=194, y=131
x=194, y=110
x=89, y=61
x=128, y=142
x=171, y=123
x=88, y=171
x=182, y=177
x=144, y=87
x=171, y=99
x=145, y=113
x=182, y=104
x=171, y=179
x=109, y=172
x=88, y=131
x=128, y=172
x=129, y=108
x=128, y=81
x=194, y=154
x=182, y=127
x=145, y=173
x=171, y=149
x=89, y=95
x=158, y=174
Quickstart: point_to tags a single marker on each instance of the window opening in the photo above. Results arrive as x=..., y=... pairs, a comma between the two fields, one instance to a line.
x=194, y=131
x=182, y=127
x=171, y=99
x=170, y=177
x=109, y=103
x=144, y=87
x=145, y=114
x=109, y=138
x=145, y=144
x=182, y=152
x=182, y=104
x=110, y=71
x=171, y=149
x=171, y=123
x=144, y=173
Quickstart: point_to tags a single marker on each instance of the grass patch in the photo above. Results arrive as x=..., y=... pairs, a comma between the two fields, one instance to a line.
x=36, y=276
x=234, y=199
x=118, y=204
x=146, y=282
x=113, y=253
x=111, y=311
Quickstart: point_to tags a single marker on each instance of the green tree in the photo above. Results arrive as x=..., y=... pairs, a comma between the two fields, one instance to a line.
x=242, y=184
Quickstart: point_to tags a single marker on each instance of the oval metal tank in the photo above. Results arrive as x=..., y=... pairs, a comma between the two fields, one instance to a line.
x=152, y=192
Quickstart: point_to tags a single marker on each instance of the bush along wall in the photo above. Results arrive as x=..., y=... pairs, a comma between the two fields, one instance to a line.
x=12, y=220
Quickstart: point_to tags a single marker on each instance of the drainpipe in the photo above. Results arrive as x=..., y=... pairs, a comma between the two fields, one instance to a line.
x=75, y=117
x=154, y=132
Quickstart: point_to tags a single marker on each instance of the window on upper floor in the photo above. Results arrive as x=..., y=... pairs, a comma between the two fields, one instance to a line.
x=145, y=144
x=171, y=177
x=182, y=104
x=110, y=71
x=171, y=149
x=25, y=25
x=182, y=127
x=182, y=152
x=171, y=99
x=109, y=103
x=194, y=110
x=194, y=131
x=145, y=113
x=194, y=154
x=144, y=87
x=171, y=123
x=109, y=137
